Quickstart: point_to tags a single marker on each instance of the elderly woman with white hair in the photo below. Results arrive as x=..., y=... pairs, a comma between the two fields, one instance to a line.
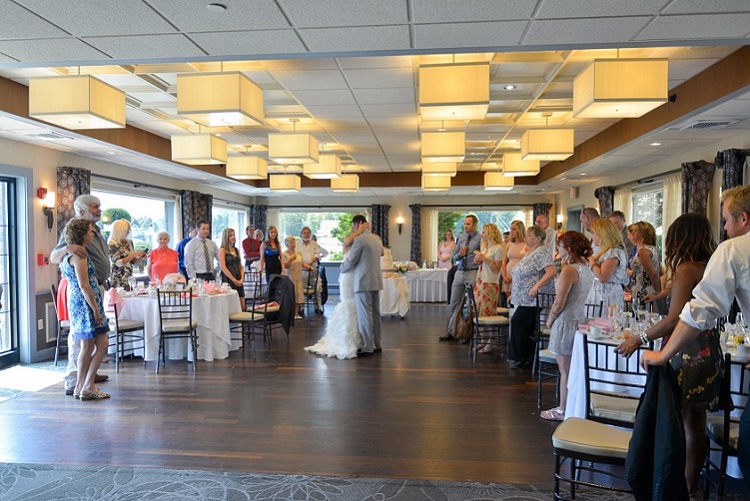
x=162, y=261
x=122, y=254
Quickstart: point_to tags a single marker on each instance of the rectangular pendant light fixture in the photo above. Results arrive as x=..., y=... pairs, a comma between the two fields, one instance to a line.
x=220, y=99
x=514, y=166
x=547, y=144
x=199, y=149
x=328, y=167
x=77, y=102
x=443, y=147
x=346, y=183
x=436, y=183
x=285, y=182
x=247, y=167
x=496, y=181
x=454, y=91
x=293, y=149
x=620, y=88
x=440, y=169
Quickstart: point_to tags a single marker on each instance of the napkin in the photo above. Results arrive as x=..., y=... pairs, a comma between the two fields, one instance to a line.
x=112, y=298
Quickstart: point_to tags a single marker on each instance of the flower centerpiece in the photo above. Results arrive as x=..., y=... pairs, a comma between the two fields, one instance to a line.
x=172, y=279
x=400, y=266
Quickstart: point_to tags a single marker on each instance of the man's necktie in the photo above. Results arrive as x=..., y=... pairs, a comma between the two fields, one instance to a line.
x=207, y=256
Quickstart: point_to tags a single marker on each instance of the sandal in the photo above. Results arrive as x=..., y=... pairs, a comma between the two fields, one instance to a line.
x=93, y=395
x=556, y=414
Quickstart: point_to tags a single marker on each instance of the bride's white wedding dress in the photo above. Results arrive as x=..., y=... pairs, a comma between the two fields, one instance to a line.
x=342, y=339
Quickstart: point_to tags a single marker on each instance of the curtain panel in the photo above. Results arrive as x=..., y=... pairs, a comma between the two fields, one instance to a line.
x=543, y=209
x=71, y=183
x=732, y=162
x=273, y=218
x=696, y=185
x=379, y=224
x=606, y=197
x=416, y=233
x=258, y=216
x=672, y=202
x=195, y=206
x=623, y=201
x=430, y=234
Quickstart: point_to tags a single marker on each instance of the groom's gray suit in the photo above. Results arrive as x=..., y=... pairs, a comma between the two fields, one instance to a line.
x=364, y=262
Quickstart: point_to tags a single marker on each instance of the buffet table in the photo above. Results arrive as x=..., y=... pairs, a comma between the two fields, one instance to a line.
x=428, y=286
x=394, y=298
x=210, y=311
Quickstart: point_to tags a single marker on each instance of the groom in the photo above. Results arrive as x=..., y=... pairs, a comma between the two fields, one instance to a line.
x=364, y=261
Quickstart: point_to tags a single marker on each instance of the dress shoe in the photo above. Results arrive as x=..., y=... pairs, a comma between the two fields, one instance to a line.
x=518, y=364
x=100, y=378
x=361, y=353
x=69, y=391
x=378, y=350
x=447, y=337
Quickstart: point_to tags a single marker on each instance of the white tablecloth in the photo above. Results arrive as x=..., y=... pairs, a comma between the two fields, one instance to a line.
x=212, y=314
x=394, y=298
x=428, y=286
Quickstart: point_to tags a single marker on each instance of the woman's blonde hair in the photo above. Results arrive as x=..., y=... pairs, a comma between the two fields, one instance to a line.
x=520, y=228
x=120, y=230
x=610, y=236
x=225, y=236
x=493, y=234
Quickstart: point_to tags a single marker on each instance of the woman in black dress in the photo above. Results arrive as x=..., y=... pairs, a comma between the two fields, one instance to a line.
x=270, y=254
x=232, y=271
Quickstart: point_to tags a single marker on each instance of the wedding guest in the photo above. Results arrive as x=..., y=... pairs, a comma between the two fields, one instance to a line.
x=122, y=254
x=258, y=236
x=162, y=260
x=588, y=216
x=311, y=254
x=270, y=254
x=200, y=253
x=446, y=249
x=542, y=220
x=292, y=260
x=644, y=264
x=232, y=271
x=86, y=308
x=181, y=251
x=534, y=273
x=487, y=286
x=609, y=266
x=569, y=308
x=618, y=219
x=688, y=247
x=251, y=246
x=514, y=252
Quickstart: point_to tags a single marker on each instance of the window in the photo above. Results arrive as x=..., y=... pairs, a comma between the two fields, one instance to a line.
x=8, y=274
x=453, y=220
x=328, y=227
x=227, y=216
x=648, y=206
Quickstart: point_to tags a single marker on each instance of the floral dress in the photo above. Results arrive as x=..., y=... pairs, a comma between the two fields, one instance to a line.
x=121, y=272
x=487, y=286
x=611, y=292
x=640, y=283
x=81, y=317
x=527, y=273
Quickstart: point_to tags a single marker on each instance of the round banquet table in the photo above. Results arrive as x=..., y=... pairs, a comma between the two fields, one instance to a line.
x=428, y=285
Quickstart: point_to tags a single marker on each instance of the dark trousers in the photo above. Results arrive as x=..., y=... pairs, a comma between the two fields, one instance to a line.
x=522, y=327
x=205, y=276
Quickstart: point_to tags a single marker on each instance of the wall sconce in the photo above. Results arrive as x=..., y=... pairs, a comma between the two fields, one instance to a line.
x=559, y=221
x=48, y=205
x=400, y=222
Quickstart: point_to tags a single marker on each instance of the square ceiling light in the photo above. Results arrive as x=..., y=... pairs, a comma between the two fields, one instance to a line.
x=443, y=147
x=547, y=144
x=220, y=99
x=436, y=183
x=454, y=91
x=247, y=167
x=496, y=181
x=440, y=169
x=77, y=102
x=199, y=149
x=293, y=149
x=620, y=88
x=328, y=167
x=285, y=182
x=346, y=183
x=514, y=165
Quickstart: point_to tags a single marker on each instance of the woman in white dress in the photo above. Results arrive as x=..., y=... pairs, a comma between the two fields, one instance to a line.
x=342, y=339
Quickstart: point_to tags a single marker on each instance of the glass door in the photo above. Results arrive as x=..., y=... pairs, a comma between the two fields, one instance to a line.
x=9, y=353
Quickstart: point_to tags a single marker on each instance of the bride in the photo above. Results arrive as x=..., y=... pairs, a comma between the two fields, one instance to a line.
x=342, y=339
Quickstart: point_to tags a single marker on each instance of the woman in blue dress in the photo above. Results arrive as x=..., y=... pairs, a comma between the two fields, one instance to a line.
x=87, y=321
x=270, y=254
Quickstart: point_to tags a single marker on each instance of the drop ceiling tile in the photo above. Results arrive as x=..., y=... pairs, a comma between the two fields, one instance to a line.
x=192, y=15
x=311, y=80
x=239, y=43
x=388, y=110
x=577, y=31
x=327, y=13
x=403, y=96
x=344, y=124
x=701, y=6
x=367, y=38
x=324, y=97
x=393, y=121
x=598, y=9
x=683, y=69
x=380, y=78
x=17, y=22
x=441, y=11
x=51, y=51
x=328, y=112
x=300, y=64
x=85, y=19
x=146, y=46
x=697, y=27
x=429, y=36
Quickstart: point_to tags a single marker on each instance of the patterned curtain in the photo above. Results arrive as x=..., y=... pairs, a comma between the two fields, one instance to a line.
x=195, y=206
x=258, y=217
x=606, y=197
x=379, y=224
x=696, y=185
x=733, y=164
x=543, y=210
x=416, y=233
x=71, y=183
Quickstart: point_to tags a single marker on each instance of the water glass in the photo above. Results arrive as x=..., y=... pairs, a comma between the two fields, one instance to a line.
x=132, y=283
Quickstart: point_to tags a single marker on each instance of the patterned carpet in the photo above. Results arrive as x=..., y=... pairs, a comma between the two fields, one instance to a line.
x=64, y=482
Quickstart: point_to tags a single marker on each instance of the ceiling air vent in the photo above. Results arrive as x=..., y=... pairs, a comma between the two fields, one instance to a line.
x=709, y=124
x=49, y=136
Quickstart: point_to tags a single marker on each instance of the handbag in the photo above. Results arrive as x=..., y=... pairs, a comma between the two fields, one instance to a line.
x=463, y=328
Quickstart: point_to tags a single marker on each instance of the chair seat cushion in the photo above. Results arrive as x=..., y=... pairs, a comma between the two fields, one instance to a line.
x=245, y=316
x=614, y=407
x=501, y=310
x=65, y=324
x=547, y=357
x=590, y=437
x=715, y=426
x=178, y=325
x=545, y=330
x=130, y=325
x=493, y=320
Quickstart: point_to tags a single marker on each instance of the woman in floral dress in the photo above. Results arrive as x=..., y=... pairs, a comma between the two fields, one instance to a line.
x=644, y=264
x=487, y=286
x=122, y=254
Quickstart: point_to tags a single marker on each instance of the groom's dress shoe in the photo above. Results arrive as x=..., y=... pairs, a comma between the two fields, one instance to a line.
x=361, y=353
x=447, y=337
x=378, y=350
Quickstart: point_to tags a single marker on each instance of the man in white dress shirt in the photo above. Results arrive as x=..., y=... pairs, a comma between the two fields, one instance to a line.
x=200, y=253
x=550, y=241
x=311, y=255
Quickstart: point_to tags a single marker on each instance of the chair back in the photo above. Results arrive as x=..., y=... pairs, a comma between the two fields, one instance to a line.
x=594, y=310
x=175, y=309
x=253, y=283
x=613, y=383
x=544, y=301
x=53, y=290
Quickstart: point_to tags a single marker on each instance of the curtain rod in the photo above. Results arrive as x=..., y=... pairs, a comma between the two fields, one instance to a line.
x=287, y=207
x=135, y=184
x=648, y=179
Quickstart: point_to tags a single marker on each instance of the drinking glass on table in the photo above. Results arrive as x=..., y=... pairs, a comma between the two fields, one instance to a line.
x=132, y=283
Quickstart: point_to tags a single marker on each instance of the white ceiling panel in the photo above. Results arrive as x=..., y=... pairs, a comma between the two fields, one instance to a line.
x=551, y=9
x=366, y=38
x=18, y=23
x=429, y=36
x=404, y=96
x=331, y=13
x=249, y=43
x=703, y=26
x=54, y=51
x=701, y=6
x=342, y=111
x=324, y=97
x=311, y=80
x=146, y=47
x=381, y=78
x=192, y=15
x=440, y=11
x=577, y=31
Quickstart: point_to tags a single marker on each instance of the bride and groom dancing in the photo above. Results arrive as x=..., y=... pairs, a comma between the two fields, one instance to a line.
x=354, y=327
